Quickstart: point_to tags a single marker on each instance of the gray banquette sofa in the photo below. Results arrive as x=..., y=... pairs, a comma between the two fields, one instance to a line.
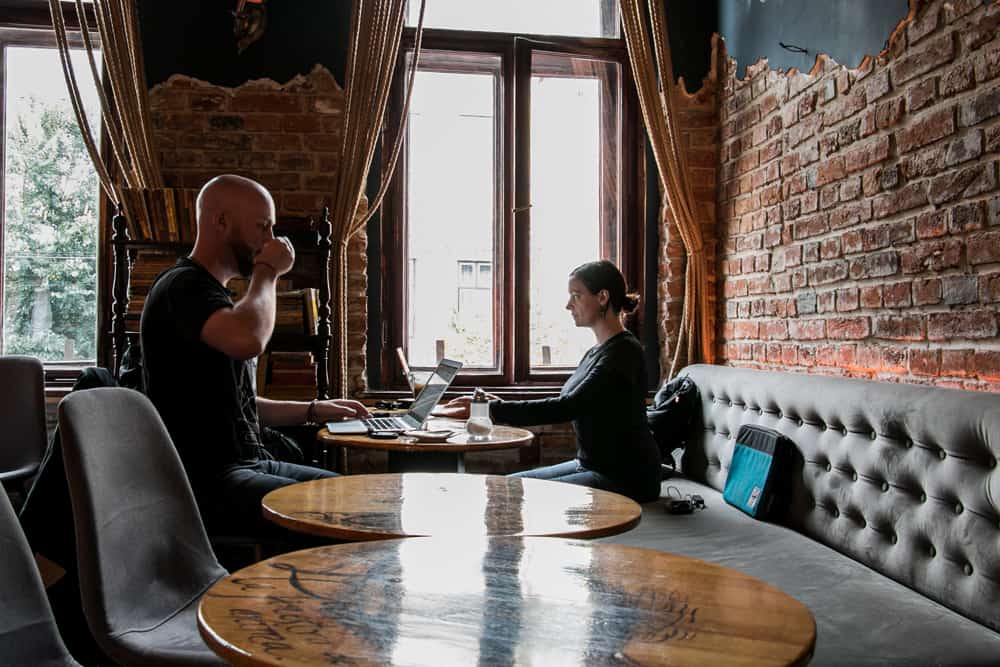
x=892, y=534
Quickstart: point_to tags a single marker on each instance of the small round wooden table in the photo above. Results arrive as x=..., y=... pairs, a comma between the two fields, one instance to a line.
x=406, y=454
x=500, y=601
x=374, y=507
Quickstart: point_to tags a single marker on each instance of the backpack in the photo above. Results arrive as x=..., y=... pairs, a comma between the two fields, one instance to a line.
x=670, y=416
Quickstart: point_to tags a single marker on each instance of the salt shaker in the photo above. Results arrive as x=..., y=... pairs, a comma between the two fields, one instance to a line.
x=479, y=425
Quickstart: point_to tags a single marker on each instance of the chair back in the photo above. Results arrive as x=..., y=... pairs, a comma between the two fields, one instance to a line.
x=22, y=416
x=28, y=633
x=142, y=550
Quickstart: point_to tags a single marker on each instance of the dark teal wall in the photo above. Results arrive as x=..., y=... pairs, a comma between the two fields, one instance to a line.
x=846, y=30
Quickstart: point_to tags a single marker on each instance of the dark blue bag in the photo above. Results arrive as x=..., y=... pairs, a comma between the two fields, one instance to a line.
x=759, y=471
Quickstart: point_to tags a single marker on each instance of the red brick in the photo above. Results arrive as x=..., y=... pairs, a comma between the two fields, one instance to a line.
x=871, y=296
x=850, y=189
x=928, y=129
x=924, y=163
x=962, y=324
x=987, y=65
x=848, y=328
x=267, y=102
x=925, y=23
x=921, y=94
x=851, y=242
x=958, y=79
x=875, y=238
x=826, y=302
x=987, y=364
x=806, y=329
x=871, y=152
x=960, y=290
x=966, y=217
x=897, y=295
x=926, y=292
x=907, y=197
x=878, y=86
x=277, y=142
x=874, y=265
x=931, y=224
x=825, y=274
x=925, y=362
x=830, y=170
x=810, y=226
x=850, y=214
x=956, y=362
x=261, y=122
x=937, y=52
x=983, y=247
x=301, y=123
x=906, y=327
x=989, y=287
x=789, y=355
x=844, y=107
x=847, y=299
x=828, y=196
x=967, y=182
x=774, y=330
x=966, y=147
x=889, y=113
x=204, y=101
x=830, y=248
x=931, y=256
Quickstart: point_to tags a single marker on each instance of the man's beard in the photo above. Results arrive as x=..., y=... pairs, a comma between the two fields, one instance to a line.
x=244, y=260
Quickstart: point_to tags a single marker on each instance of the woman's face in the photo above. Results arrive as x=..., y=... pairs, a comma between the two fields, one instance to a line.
x=585, y=306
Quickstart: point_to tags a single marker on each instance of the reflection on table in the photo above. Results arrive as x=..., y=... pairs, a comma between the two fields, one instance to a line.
x=501, y=600
x=367, y=507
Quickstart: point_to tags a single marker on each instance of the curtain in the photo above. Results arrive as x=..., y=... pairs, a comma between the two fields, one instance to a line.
x=124, y=109
x=376, y=30
x=645, y=27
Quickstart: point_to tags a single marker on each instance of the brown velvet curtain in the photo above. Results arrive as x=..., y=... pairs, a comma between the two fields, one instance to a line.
x=376, y=29
x=645, y=29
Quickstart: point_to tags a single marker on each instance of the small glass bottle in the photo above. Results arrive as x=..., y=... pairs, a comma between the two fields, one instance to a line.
x=479, y=425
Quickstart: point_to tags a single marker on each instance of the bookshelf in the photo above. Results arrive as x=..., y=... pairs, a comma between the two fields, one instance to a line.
x=140, y=252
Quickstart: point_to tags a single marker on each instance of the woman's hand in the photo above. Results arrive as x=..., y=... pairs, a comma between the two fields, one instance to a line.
x=340, y=408
x=456, y=408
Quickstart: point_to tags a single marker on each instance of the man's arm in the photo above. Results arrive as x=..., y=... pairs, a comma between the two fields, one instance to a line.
x=289, y=413
x=242, y=332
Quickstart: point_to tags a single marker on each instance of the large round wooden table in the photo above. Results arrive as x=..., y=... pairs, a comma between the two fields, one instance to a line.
x=407, y=454
x=500, y=601
x=372, y=507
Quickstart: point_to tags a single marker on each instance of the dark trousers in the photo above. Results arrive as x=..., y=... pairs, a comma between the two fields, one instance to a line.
x=233, y=506
x=573, y=472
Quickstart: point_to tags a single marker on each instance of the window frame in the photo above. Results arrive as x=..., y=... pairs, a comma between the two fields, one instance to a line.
x=511, y=239
x=30, y=25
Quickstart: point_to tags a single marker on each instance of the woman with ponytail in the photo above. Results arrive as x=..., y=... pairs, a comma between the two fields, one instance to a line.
x=605, y=398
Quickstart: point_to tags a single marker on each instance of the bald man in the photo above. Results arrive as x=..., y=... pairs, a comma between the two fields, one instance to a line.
x=198, y=348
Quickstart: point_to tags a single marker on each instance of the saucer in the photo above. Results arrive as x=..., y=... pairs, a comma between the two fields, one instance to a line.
x=429, y=436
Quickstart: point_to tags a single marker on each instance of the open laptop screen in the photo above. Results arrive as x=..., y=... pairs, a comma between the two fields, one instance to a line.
x=432, y=392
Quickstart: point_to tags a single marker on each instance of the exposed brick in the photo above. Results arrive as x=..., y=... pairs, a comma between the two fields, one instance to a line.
x=806, y=303
x=831, y=272
x=807, y=329
x=878, y=86
x=897, y=295
x=890, y=177
x=844, y=107
x=925, y=362
x=871, y=296
x=848, y=328
x=956, y=362
x=847, y=299
x=983, y=105
x=929, y=128
x=931, y=256
x=967, y=182
x=301, y=123
x=966, y=147
x=925, y=23
x=989, y=287
x=932, y=224
x=746, y=329
x=810, y=226
x=810, y=253
x=939, y=51
x=830, y=170
x=993, y=212
x=983, y=247
x=774, y=330
x=966, y=217
x=830, y=248
x=902, y=327
x=921, y=94
x=204, y=101
x=875, y=238
x=826, y=301
x=850, y=214
x=987, y=364
x=987, y=65
x=910, y=196
x=924, y=163
x=889, y=113
x=266, y=102
x=972, y=324
x=926, y=292
x=805, y=129
x=874, y=265
x=960, y=290
x=851, y=242
x=958, y=79
x=865, y=155
x=993, y=139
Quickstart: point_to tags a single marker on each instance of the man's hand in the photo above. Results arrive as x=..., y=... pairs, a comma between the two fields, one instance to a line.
x=277, y=253
x=340, y=408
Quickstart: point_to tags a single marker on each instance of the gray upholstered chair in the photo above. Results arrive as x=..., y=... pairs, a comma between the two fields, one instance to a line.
x=28, y=633
x=143, y=556
x=22, y=417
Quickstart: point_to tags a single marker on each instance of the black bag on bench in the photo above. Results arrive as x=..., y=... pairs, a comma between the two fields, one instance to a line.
x=759, y=473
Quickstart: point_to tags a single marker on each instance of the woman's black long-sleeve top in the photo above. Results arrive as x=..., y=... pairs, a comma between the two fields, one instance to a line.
x=605, y=398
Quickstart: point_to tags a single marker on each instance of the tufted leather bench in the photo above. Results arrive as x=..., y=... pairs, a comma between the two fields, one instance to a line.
x=892, y=536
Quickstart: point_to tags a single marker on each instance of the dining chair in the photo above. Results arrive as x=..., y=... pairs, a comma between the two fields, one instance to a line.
x=28, y=632
x=22, y=419
x=143, y=555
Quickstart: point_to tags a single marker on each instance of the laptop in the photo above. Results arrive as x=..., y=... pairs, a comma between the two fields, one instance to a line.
x=414, y=419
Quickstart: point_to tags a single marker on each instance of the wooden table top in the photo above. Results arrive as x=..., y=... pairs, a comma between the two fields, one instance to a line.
x=372, y=507
x=502, y=437
x=500, y=601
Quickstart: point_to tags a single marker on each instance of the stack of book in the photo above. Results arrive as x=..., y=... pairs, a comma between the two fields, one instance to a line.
x=160, y=214
x=286, y=376
x=147, y=265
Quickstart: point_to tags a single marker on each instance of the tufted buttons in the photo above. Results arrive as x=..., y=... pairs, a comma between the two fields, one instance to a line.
x=958, y=508
x=885, y=487
x=854, y=476
x=822, y=425
x=799, y=421
x=711, y=397
x=942, y=454
x=835, y=512
x=864, y=524
x=908, y=443
x=893, y=538
x=829, y=466
x=843, y=431
x=993, y=462
x=967, y=568
x=873, y=435
x=923, y=497
x=931, y=551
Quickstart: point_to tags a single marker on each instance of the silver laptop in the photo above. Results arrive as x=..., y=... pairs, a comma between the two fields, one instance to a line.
x=414, y=419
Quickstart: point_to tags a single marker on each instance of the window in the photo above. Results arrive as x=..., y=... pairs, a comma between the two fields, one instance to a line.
x=520, y=162
x=50, y=212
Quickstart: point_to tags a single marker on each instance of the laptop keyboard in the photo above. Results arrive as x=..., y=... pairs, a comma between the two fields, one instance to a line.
x=384, y=424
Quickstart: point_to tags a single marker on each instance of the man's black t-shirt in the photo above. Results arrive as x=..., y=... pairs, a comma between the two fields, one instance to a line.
x=205, y=398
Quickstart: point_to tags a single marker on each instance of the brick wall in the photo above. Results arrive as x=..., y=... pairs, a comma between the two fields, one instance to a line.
x=284, y=135
x=859, y=220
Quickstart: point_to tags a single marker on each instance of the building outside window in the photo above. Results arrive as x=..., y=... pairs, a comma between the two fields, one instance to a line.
x=50, y=211
x=519, y=164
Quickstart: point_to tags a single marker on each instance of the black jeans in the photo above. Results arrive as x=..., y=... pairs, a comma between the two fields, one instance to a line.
x=233, y=506
x=573, y=472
